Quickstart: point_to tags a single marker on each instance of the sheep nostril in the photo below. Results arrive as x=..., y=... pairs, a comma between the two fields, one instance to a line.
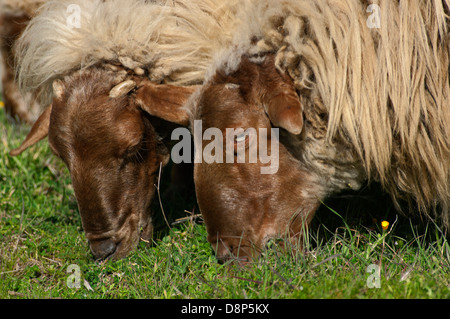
x=103, y=249
x=221, y=260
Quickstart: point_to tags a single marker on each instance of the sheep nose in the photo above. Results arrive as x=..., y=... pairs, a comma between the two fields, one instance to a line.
x=226, y=253
x=103, y=249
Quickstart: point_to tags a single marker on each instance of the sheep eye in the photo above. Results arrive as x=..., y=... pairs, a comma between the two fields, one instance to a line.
x=241, y=137
x=241, y=141
x=132, y=150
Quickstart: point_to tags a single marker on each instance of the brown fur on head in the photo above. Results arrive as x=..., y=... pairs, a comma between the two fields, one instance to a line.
x=274, y=92
x=243, y=208
x=112, y=150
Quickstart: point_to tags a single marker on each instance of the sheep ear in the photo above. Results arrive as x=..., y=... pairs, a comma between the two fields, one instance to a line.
x=279, y=97
x=285, y=111
x=37, y=133
x=165, y=101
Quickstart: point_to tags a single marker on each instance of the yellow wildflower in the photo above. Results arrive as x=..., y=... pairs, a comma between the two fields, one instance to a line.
x=2, y=104
x=384, y=224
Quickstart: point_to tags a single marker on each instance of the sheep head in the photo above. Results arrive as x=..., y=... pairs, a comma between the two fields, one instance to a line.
x=242, y=207
x=114, y=151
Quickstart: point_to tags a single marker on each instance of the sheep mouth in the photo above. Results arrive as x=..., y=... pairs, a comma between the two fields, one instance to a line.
x=109, y=255
x=117, y=243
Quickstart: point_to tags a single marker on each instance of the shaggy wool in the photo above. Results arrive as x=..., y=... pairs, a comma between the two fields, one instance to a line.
x=373, y=78
x=173, y=40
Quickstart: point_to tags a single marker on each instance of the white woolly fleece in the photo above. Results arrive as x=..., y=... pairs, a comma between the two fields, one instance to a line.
x=173, y=40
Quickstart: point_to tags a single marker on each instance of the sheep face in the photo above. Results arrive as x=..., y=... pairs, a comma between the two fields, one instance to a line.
x=113, y=153
x=242, y=207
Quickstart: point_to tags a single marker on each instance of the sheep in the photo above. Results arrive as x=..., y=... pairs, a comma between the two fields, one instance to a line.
x=14, y=15
x=355, y=95
x=98, y=67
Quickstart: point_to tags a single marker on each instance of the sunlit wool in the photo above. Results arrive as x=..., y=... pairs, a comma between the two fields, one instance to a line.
x=375, y=100
x=172, y=40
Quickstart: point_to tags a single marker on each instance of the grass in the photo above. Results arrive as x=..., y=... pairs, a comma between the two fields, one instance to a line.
x=41, y=237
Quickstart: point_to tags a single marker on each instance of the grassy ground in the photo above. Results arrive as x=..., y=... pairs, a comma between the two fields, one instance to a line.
x=41, y=242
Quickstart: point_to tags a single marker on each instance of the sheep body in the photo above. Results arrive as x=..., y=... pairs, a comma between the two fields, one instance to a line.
x=375, y=98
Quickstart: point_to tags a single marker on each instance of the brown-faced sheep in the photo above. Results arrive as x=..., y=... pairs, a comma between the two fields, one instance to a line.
x=357, y=95
x=99, y=66
x=14, y=16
